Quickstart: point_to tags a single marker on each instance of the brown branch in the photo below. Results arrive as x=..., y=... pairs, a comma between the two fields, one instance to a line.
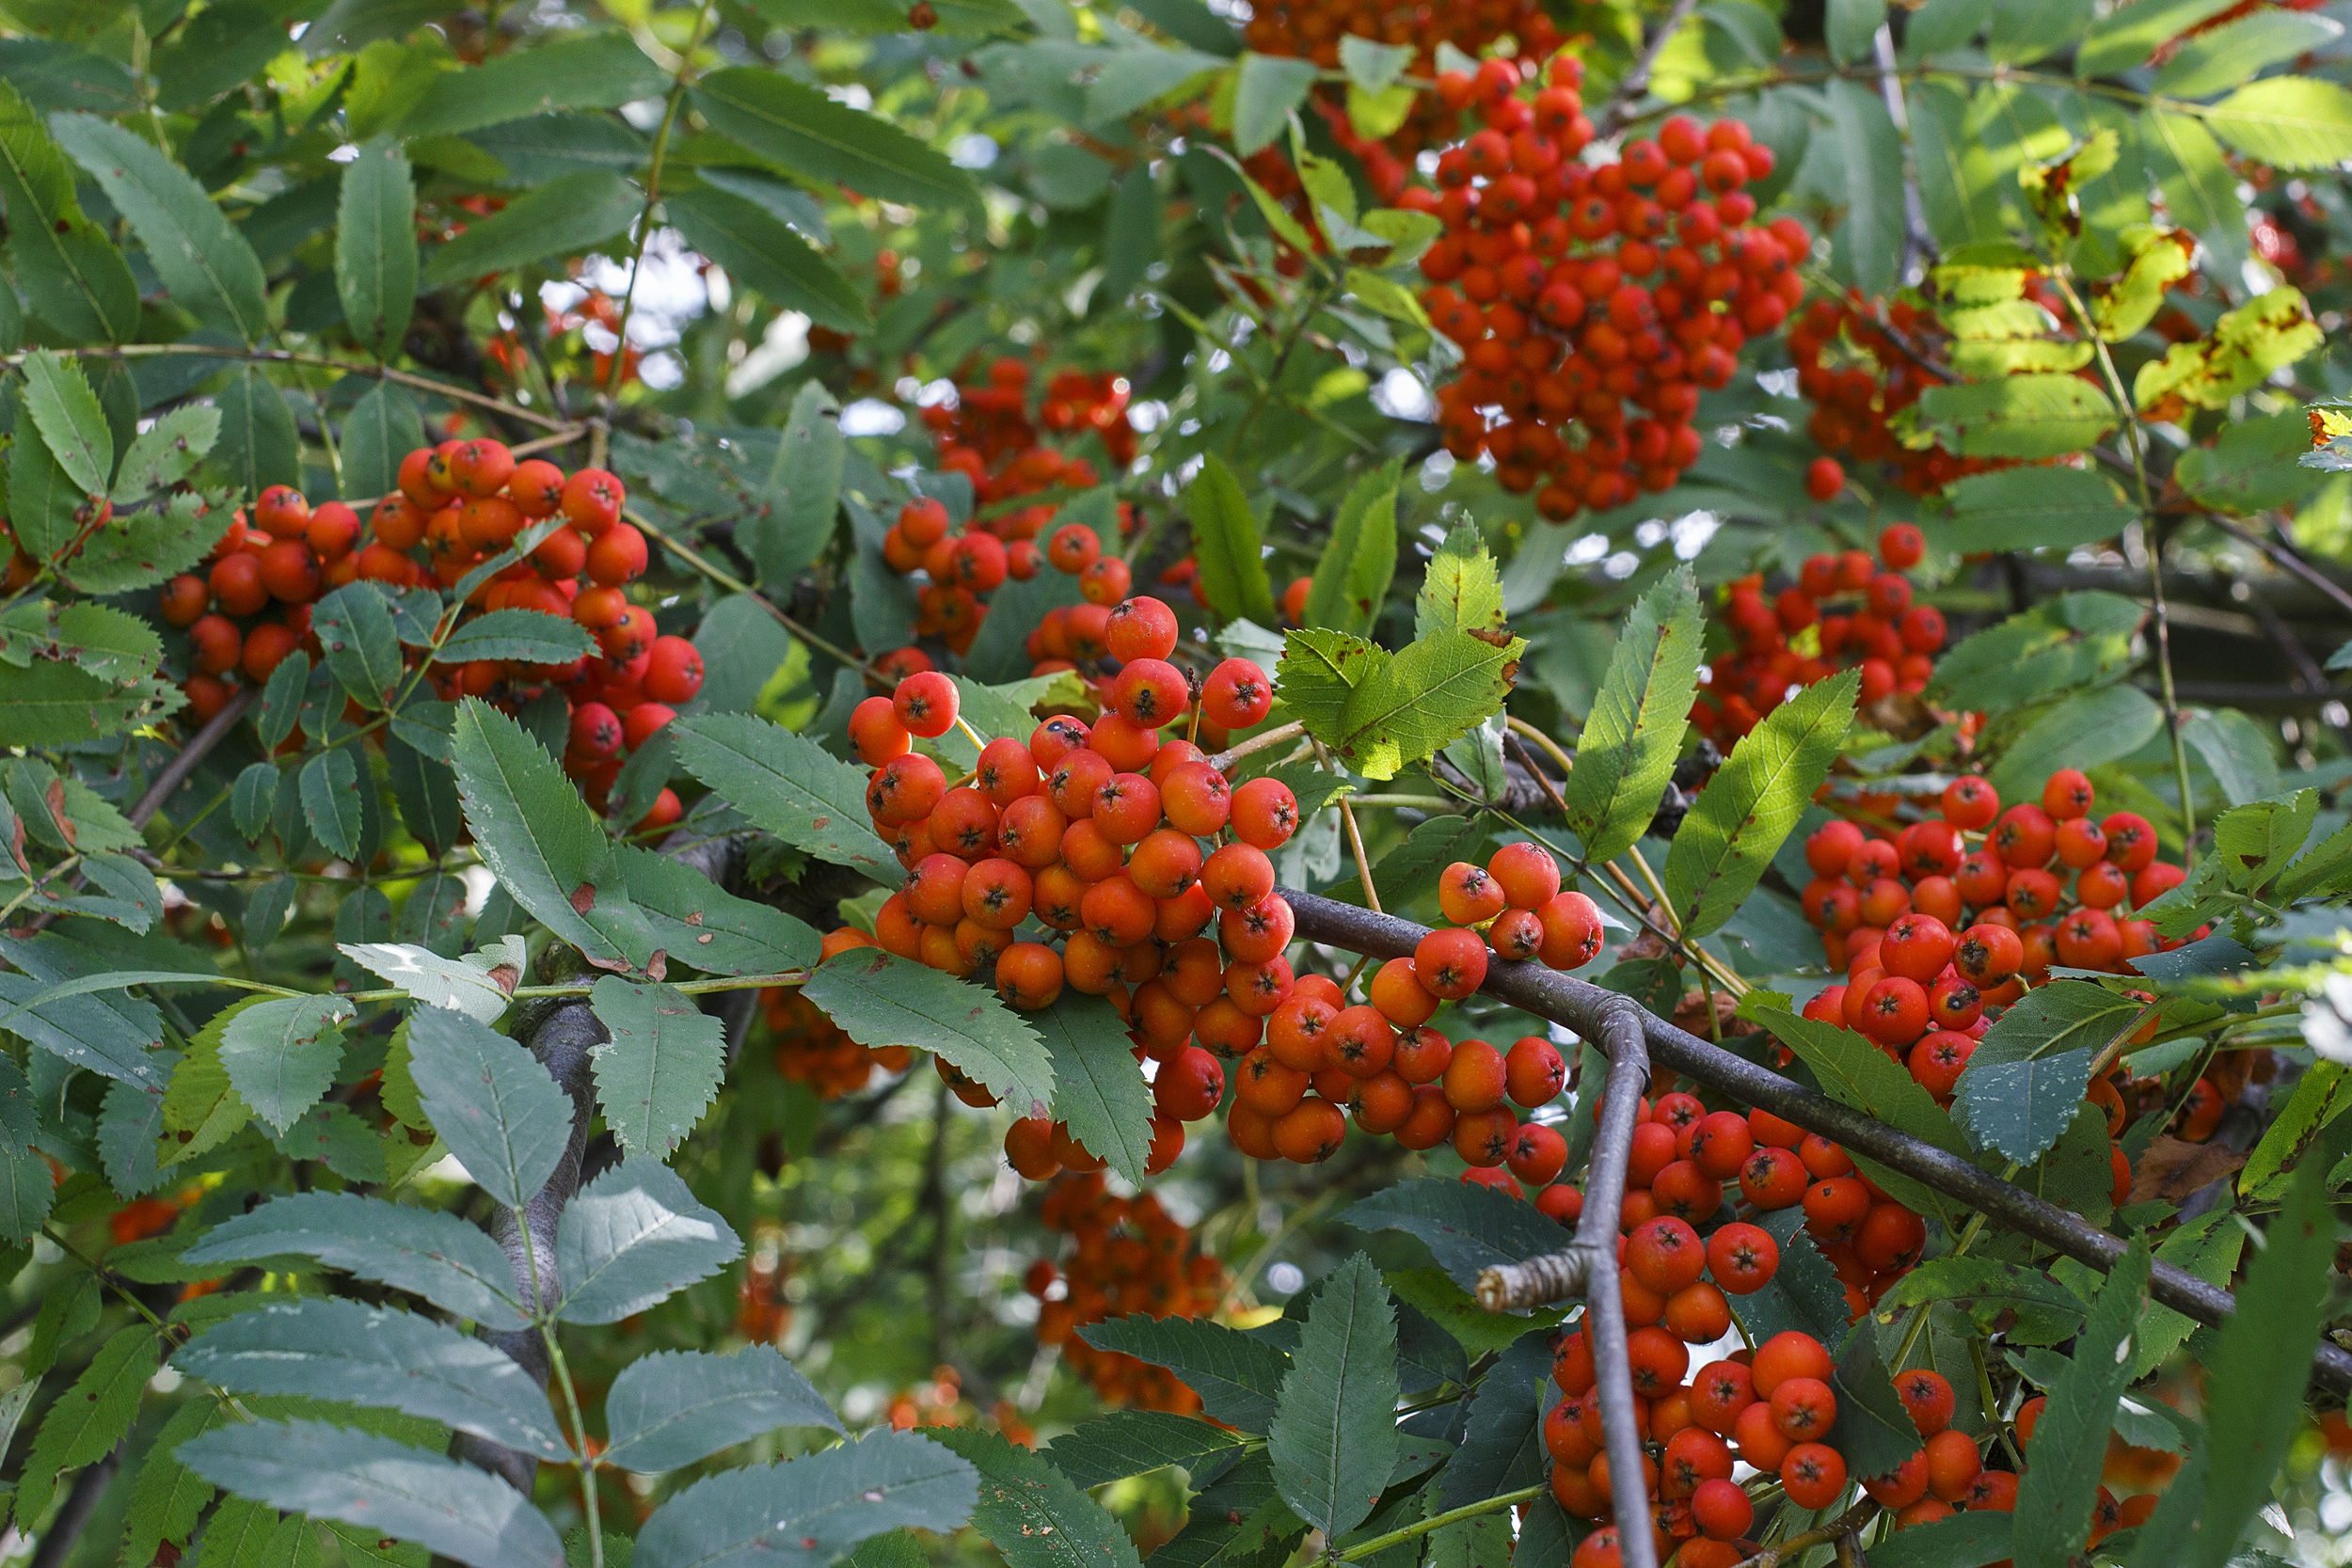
x=1620, y=106
x=176, y=771
x=1839, y=1530
x=1584, y=1007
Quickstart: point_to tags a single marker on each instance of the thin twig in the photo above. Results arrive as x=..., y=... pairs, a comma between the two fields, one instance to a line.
x=177, y=770
x=1636, y=81
x=653, y=196
x=1839, y=1529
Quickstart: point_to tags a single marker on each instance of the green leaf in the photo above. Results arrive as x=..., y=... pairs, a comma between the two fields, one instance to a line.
x=667, y=1410
x=2245, y=347
x=1352, y=579
x=259, y=445
x=657, y=1073
x=706, y=928
x=1852, y=24
x=437, y=1256
x=1099, y=1088
x=2026, y=30
x=1967, y=1540
x=1627, y=752
x=1854, y=1072
x=1266, y=88
x=281, y=1055
x=632, y=1237
x=2290, y=122
x=600, y=70
x=168, y=1499
x=787, y=785
x=2124, y=37
x=798, y=128
x=2081, y=732
x=72, y=276
x=1319, y=672
x=2024, y=509
x=1333, y=1437
x=539, y=837
x=2020, y=1090
x=1804, y=1294
x=1874, y=1433
x=427, y=792
x=571, y=212
x=1131, y=235
x=529, y=636
x=497, y=1107
x=43, y=497
x=802, y=493
x=2061, y=1477
x=1225, y=534
x=1033, y=1514
x=1410, y=874
x=1502, y=1448
x=2237, y=51
x=142, y=548
x=129, y=1123
x=87, y=1420
x=330, y=800
x=1235, y=1375
x=166, y=452
x=2252, y=464
x=1468, y=1228
x=1415, y=704
x=347, y=1352
x=464, y=985
x=759, y=1517
x=2237, y=750
x=1128, y=1443
x=2037, y=1309
x=879, y=999
x=2018, y=416
x=28, y=1193
x=1745, y=813
x=2069, y=641
x=762, y=252
x=330, y=1472
x=375, y=246
x=208, y=267
x=1462, y=590
x=71, y=425
x=2200, y=187
x=2207, y=1246
x=1868, y=244
x=382, y=427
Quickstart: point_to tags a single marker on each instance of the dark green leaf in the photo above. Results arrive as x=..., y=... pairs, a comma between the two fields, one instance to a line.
x=657, y=1073
x=1136, y=1442
x=383, y=427
x=91, y=1418
x=526, y=636
x=1131, y=235
x=1968, y=1540
x=168, y=1499
x=2060, y=1478
x=880, y=999
x=72, y=276
x=787, y=785
x=1627, y=752
x=574, y=213
x=426, y=793
x=798, y=128
x=1352, y=579
x=1033, y=1514
x=2024, y=509
x=281, y=1055
x=632, y=1237
x=705, y=926
x=1874, y=1433
x=43, y=497
x=27, y=1192
x=762, y=253
x=495, y=1105
x=668, y=1409
x=209, y=267
x=375, y=250
x=140, y=549
x=1868, y=244
x=759, y=1517
x=1099, y=1089
x=259, y=445
x=1333, y=1437
x=330, y=799
x=1852, y=24
x=1225, y=534
x=2081, y=732
x=1854, y=1072
x=1468, y=1227
x=803, y=491
x=2039, y=1310
x=1747, y=809
x=2069, y=641
x=1503, y=1448
x=601, y=70
x=330, y=1472
x=438, y=1256
x=1236, y=1376
x=1804, y=1293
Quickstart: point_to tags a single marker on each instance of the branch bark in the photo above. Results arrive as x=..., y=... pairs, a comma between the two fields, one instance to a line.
x=200, y=745
x=1585, y=1008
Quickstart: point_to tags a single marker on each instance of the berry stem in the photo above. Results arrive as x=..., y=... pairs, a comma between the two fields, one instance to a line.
x=1839, y=1530
x=1256, y=743
x=1420, y=1528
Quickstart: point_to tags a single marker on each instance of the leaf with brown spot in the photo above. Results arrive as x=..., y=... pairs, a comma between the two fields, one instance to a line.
x=2172, y=1168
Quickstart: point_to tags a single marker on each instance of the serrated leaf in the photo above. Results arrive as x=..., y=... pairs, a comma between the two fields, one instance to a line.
x=632, y=1237
x=2069, y=641
x=252, y=798
x=879, y=999
x=807, y=1512
x=1320, y=670
x=1333, y=1437
x=382, y=427
x=1874, y=1433
x=1236, y=1376
x=786, y=784
x=658, y=1072
x=437, y=1256
x=2061, y=1475
x=1225, y=537
x=425, y=789
x=2289, y=122
x=496, y=1105
x=281, y=1055
x=2034, y=416
x=1745, y=813
x=2124, y=39
x=71, y=274
x=1854, y=1072
x=330, y=785
x=360, y=642
x=2081, y=732
x=166, y=452
x=1266, y=88
x=1468, y=1227
x=460, y=984
x=330, y=1472
x=1627, y=752
x=375, y=246
x=804, y=489
x=1804, y=1295
x=797, y=127
x=2243, y=350
x=1867, y=243
x=1462, y=590
x=534, y=829
x=28, y=1193
x=570, y=213
x=1504, y=1446
x=209, y=267
x=1433, y=691
x=2039, y=1310
x=2239, y=51
x=141, y=549
x=667, y=1410
x=702, y=925
x=90, y=1418
x=1099, y=1088
x=2024, y=509
x=349, y=1353
x=601, y=70
x=1032, y=1513
x=43, y=497
x=168, y=1499
x=72, y=425
x=1133, y=1443
x=763, y=253
x=1352, y=579
x=526, y=636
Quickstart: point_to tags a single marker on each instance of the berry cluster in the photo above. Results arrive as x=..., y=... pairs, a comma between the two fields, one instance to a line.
x=1579, y=291
x=1790, y=640
x=987, y=433
x=960, y=569
x=463, y=502
x=1095, y=835
x=1317, y=1058
x=1128, y=1256
x=812, y=1048
x=1868, y=380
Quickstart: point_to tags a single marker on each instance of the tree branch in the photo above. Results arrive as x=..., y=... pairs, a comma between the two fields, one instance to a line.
x=1620, y=106
x=176, y=771
x=1585, y=1008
